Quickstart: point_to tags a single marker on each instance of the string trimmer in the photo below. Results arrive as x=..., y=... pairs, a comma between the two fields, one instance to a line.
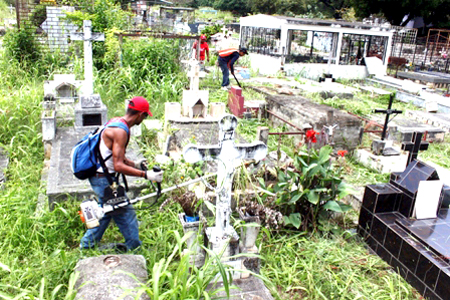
x=91, y=212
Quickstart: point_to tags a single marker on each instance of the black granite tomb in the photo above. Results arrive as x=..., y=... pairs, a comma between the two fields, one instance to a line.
x=419, y=250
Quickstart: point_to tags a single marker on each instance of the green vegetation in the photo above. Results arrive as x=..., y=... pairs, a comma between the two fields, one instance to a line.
x=39, y=248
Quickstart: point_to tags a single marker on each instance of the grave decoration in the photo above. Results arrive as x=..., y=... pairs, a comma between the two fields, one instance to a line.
x=380, y=147
x=222, y=238
x=390, y=222
x=89, y=111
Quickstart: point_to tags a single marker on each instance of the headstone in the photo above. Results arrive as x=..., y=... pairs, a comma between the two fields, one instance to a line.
x=379, y=147
x=58, y=27
x=222, y=238
x=195, y=101
x=89, y=111
x=417, y=249
x=111, y=277
x=414, y=146
x=236, y=102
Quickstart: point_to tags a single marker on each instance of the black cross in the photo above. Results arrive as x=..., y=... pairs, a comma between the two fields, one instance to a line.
x=388, y=112
x=414, y=147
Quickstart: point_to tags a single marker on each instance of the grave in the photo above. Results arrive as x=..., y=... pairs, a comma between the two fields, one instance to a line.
x=111, y=277
x=90, y=110
x=306, y=114
x=380, y=146
x=64, y=90
x=418, y=249
x=62, y=184
x=222, y=239
x=4, y=161
x=402, y=130
x=435, y=78
x=441, y=120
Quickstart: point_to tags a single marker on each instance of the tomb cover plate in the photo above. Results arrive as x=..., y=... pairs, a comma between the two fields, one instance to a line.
x=416, y=171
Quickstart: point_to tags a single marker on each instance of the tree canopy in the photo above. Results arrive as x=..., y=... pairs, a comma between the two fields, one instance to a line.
x=434, y=12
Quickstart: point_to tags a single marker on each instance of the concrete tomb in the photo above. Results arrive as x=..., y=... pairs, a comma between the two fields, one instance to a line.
x=111, y=277
x=418, y=249
x=401, y=129
x=89, y=111
x=306, y=114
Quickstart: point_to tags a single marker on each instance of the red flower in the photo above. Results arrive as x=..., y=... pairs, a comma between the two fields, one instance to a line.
x=342, y=153
x=311, y=136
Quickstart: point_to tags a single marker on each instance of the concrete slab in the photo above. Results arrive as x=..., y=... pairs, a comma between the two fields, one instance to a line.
x=383, y=164
x=305, y=113
x=443, y=103
x=402, y=129
x=4, y=161
x=441, y=120
x=61, y=183
x=431, y=77
x=251, y=288
x=373, y=90
x=110, y=277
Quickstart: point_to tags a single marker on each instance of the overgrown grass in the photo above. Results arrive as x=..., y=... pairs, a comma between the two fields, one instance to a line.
x=331, y=267
x=39, y=251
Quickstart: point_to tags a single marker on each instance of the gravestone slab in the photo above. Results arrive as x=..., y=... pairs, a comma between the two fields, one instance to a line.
x=111, y=277
x=440, y=120
x=251, y=288
x=426, y=77
x=417, y=249
x=61, y=183
x=304, y=113
x=4, y=161
x=402, y=129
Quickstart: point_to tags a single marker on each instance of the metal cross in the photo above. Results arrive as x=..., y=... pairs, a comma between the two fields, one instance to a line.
x=228, y=155
x=388, y=112
x=414, y=147
x=87, y=36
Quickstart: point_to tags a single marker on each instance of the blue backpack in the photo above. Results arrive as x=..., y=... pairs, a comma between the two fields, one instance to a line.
x=85, y=155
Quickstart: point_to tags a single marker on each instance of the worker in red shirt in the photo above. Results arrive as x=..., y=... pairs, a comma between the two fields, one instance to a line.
x=203, y=48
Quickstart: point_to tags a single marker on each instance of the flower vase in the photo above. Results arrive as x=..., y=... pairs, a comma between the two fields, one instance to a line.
x=249, y=233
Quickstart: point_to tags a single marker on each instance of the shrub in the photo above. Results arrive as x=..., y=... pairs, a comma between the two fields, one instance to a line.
x=22, y=46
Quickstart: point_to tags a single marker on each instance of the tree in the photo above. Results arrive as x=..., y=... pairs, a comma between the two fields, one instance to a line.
x=239, y=7
x=433, y=11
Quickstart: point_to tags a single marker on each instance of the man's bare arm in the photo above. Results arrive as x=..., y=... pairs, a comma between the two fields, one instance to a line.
x=121, y=163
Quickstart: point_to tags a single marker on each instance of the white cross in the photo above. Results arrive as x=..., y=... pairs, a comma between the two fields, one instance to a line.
x=228, y=155
x=87, y=37
x=11, y=8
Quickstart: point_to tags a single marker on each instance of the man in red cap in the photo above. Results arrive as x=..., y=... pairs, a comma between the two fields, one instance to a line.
x=113, y=143
x=204, y=48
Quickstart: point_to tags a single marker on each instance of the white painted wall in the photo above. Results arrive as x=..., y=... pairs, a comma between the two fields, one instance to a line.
x=314, y=71
x=266, y=65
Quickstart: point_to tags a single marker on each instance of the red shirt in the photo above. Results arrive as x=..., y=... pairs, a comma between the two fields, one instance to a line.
x=203, y=48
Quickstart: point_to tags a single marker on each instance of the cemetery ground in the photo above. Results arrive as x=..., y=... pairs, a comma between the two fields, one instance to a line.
x=39, y=249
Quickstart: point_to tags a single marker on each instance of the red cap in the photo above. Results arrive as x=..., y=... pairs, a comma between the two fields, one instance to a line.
x=140, y=104
x=203, y=37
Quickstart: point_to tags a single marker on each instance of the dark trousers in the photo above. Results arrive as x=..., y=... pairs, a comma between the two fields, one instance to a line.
x=226, y=74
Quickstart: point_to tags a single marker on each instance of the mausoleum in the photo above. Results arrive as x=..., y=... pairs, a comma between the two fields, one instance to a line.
x=312, y=47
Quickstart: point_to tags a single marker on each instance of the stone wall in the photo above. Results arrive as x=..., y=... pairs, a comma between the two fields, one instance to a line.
x=304, y=113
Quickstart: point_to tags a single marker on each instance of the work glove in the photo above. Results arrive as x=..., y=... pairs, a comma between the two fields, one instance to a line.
x=154, y=176
x=141, y=164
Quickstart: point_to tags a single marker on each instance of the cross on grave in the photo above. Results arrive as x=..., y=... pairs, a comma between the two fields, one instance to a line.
x=228, y=155
x=87, y=36
x=389, y=111
x=414, y=147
